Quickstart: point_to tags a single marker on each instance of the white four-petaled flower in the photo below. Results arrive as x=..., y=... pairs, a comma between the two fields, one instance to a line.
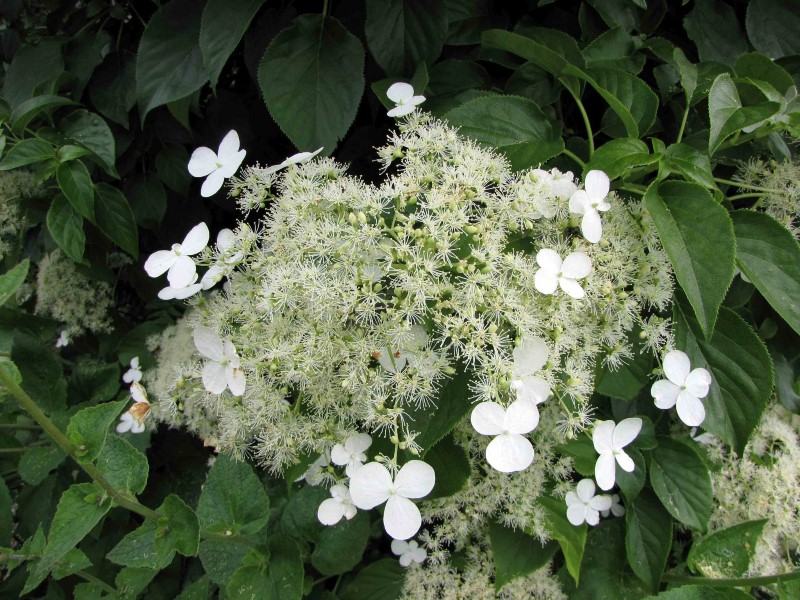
x=682, y=387
x=372, y=485
x=63, y=339
x=529, y=357
x=554, y=272
x=352, y=453
x=609, y=440
x=616, y=508
x=133, y=419
x=409, y=552
x=510, y=450
x=177, y=261
x=217, y=166
x=583, y=505
x=590, y=202
x=294, y=159
x=222, y=369
x=339, y=505
x=402, y=94
x=134, y=374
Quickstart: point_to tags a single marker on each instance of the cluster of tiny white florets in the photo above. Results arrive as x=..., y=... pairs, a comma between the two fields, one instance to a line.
x=351, y=305
x=782, y=184
x=16, y=187
x=66, y=294
x=764, y=484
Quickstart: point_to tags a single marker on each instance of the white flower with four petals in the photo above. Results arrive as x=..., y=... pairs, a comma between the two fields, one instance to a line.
x=134, y=374
x=176, y=261
x=339, y=505
x=133, y=419
x=510, y=450
x=616, y=508
x=529, y=358
x=222, y=369
x=554, y=272
x=352, y=453
x=609, y=439
x=63, y=339
x=409, y=552
x=217, y=166
x=683, y=388
x=590, y=202
x=584, y=506
x=402, y=94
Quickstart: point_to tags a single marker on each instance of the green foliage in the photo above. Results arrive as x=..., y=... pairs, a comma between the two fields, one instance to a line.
x=572, y=539
x=648, y=538
x=87, y=430
x=66, y=226
x=115, y=218
x=381, y=580
x=123, y=465
x=339, y=548
x=76, y=185
x=37, y=462
x=516, y=554
x=12, y=279
x=727, y=553
x=452, y=467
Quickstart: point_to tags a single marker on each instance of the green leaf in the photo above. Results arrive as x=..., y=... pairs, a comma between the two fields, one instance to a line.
x=42, y=376
x=221, y=559
x=648, y=538
x=728, y=552
x=741, y=370
x=516, y=554
x=74, y=560
x=37, y=463
x=693, y=164
x=71, y=152
x=88, y=428
x=131, y=581
x=627, y=380
x=616, y=157
x=299, y=518
x=381, y=580
x=401, y=34
x=341, y=547
x=113, y=87
x=222, y=27
x=726, y=113
x=702, y=592
x=138, y=549
x=181, y=531
x=435, y=422
x=770, y=257
x=123, y=465
x=169, y=64
x=633, y=94
x=713, y=27
x=515, y=126
x=25, y=112
x=74, y=180
x=688, y=73
x=196, y=591
x=115, y=218
x=233, y=499
x=66, y=226
x=27, y=152
x=171, y=168
x=148, y=200
x=312, y=79
x=33, y=67
x=772, y=27
x=571, y=539
x=681, y=481
x=77, y=513
x=785, y=378
x=759, y=67
x=12, y=279
x=451, y=465
x=250, y=583
x=614, y=49
x=285, y=568
x=581, y=450
x=6, y=514
x=91, y=131
x=697, y=235
x=630, y=484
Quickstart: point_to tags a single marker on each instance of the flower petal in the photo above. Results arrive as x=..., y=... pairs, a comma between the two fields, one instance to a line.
x=235, y=380
x=530, y=356
x=690, y=409
x=576, y=514
x=625, y=462
x=212, y=184
x=522, y=417
x=370, y=486
x=596, y=185
x=208, y=343
x=225, y=239
x=571, y=287
x=605, y=471
x=592, y=226
x=603, y=437
x=665, y=393
x=698, y=382
x=549, y=260
x=579, y=202
x=339, y=456
x=229, y=168
x=400, y=91
x=229, y=146
x=509, y=453
x=160, y=262
x=195, y=240
x=185, y=292
x=138, y=393
x=585, y=490
x=418, y=555
x=214, y=377
x=576, y=266
x=401, y=518
x=415, y=479
x=399, y=547
x=626, y=431
x=125, y=422
x=358, y=443
x=531, y=389
x=181, y=272
x=592, y=516
x=572, y=498
x=202, y=162
x=405, y=560
x=137, y=426
x=330, y=512
x=401, y=111
x=677, y=367
x=212, y=277
x=488, y=418
x=600, y=502
x=545, y=281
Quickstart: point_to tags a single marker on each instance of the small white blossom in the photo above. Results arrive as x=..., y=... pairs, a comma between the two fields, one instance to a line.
x=529, y=357
x=609, y=439
x=584, y=506
x=216, y=167
x=589, y=202
x=409, y=552
x=314, y=475
x=616, y=507
x=352, y=453
x=222, y=368
x=372, y=485
x=396, y=361
x=63, y=339
x=294, y=159
x=134, y=374
x=181, y=293
x=510, y=450
x=176, y=260
x=554, y=272
x=133, y=419
x=402, y=94
x=339, y=505
x=682, y=387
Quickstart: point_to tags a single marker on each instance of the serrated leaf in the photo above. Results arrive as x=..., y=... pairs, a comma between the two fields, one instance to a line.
x=648, y=538
x=638, y=100
x=693, y=164
x=130, y=581
x=25, y=112
x=233, y=499
x=757, y=66
x=616, y=157
x=12, y=279
x=123, y=465
x=221, y=559
x=76, y=184
x=27, y=152
x=74, y=560
x=572, y=539
x=688, y=73
x=181, y=532
x=614, y=49
x=113, y=87
x=92, y=132
x=713, y=27
x=770, y=257
x=223, y=25
x=340, y=547
x=772, y=27
x=115, y=218
x=681, y=481
x=37, y=463
x=728, y=552
x=380, y=580
x=516, y=554
x=451, y=465
x=88, y=428
x=299, y=518
x=697, y=235
x=66, y=226
x=138, y=549
x=312, y=81
x=581, y=450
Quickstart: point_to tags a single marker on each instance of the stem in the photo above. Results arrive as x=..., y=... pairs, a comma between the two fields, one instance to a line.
x=731, y=582
x=742, y=196
x=574, y=157
x=13, y=450
x=96, y=581
x=589, y=134
x=221, y=537
x=325, y=8
x=20, y=426
x=632, y=189
x=745, y=186
x=683, y=123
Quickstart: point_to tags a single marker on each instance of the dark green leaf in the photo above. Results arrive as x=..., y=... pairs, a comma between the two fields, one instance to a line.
x=726, y=553
x=113, y=87
x=91, y=132
x=123, y=465
x=681, y=481
x=759, y=67
x=741, y=371
x=688, y=73
x=635, y=97
x=25, y=112
x=772, y=27
x=33, y=66
x=221, y=559
x=713, y=27
x=196, y=591
x=74, y=560
x=648, y=538
x=12, y=279
x=27, y=152
x=66, y=226
x=138, y=549
x=249, y=583
x=693, y=164
x=181, y=531
x=341, y=547
x=627, y=380
x=770, y=257
x=697, y=235
x=285, y=568
x=221, y=29
x=312, y=80
x=516, y=554
x=37, y=463
x=630, y=484
x=571, y=539
x=701, y=592
x=381, y=580
x=435, y=422
x=785, y=378
x=299, y=518
x=616, y=157
x=233, y=499
x=148, y=201
x=76, y=184
x=615, y=49
x=581, y=450
x=171, y=168
x=451, y=465
x=41, y=372
x=6, y=514
x=169, y=64
x=88, y=428
x=115, y=218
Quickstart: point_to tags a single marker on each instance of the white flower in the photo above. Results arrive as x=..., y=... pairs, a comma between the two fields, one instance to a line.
x=583, y=505
x=134, y=374
x=372, y=485
x=682, y=387
x=314, y=475
x=133, y=419
x=225, y=242
x=509, y=451
x=409, y=552
x=397, y=360
x=181, y=293
x=609, y=440
x=402, y=94
x=331, y=511
x=616, y=508
x=294, y=159
x=529, y=357
x=550, y=188
x=63, y=339
x=589, y=202
x=352, y=453
x=217, y=166
x=222, y=368
x=554, y=272
x=176, y=260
